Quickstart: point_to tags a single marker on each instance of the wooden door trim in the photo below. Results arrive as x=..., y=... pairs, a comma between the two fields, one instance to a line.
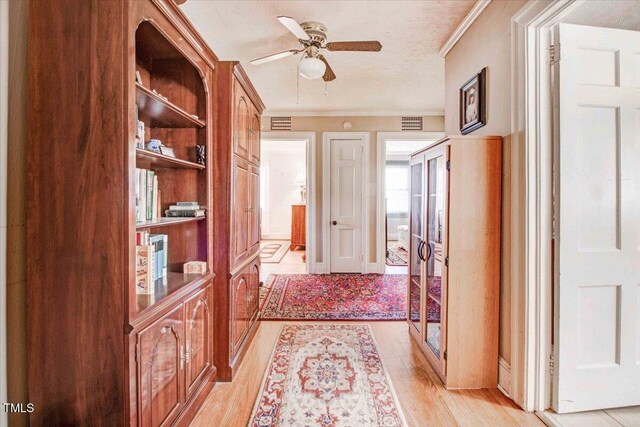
x=327, y=137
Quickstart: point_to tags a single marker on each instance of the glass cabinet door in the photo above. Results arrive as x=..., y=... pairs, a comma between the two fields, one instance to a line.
x=434, y=251
x=416, y=227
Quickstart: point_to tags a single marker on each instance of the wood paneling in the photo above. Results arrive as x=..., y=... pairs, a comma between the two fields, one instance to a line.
x=97, y=357
x=236, y=215
x=199, y=339
x=77, y=230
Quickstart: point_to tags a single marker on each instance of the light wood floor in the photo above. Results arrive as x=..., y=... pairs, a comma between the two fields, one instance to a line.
x=619, y=417
x=424, y=400
x=291, y=263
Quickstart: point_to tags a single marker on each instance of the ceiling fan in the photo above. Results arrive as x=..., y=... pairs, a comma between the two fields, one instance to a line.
x=313, y=38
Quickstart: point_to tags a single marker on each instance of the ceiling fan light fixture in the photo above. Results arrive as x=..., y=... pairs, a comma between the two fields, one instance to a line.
x=312, y=68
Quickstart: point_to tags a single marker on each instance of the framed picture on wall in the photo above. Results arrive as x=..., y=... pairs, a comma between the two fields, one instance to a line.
x=473, y=114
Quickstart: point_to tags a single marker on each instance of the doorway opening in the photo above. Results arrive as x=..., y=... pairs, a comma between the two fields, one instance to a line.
x=283, y=206
x=394, y=154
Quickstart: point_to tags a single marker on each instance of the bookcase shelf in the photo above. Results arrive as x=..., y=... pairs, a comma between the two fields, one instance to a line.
x=162, y=113
x=165, y=222
x=149, y=159
x=170, y=285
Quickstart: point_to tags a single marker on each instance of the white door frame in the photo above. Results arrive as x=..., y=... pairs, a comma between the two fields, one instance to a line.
x=310, y=142
x=326, y=197
x=532, y=134
x=381, y=157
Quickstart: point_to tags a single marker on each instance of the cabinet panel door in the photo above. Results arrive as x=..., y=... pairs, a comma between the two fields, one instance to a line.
x=254, y=210
x=198, y=341
x=239, y=290
x=253, y=297
x=161, y=370
x=241, y=122
x=254, y=133
x=241, y=203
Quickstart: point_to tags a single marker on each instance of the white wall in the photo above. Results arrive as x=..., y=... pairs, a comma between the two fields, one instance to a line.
x=280, y=161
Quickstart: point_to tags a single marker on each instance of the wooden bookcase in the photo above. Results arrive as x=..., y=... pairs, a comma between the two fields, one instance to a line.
x=99, y=354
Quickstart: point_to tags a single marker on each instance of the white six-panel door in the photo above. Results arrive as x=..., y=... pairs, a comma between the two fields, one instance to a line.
x=597, y=214
x=346, y=205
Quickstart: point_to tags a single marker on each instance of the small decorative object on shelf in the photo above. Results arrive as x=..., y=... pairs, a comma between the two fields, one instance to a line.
x=138, y=77
x=184, y=209
x=167, y=151
x=154, y=145
x=160, y=95
x=140, y=134
x=195, y=267
x=200, y=154
x=144, y=272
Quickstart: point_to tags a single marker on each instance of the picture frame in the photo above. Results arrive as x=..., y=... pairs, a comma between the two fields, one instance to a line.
x=167, y=151
x=473, y=104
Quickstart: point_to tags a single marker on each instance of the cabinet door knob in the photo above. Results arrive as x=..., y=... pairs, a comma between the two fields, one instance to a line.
x=334, y=222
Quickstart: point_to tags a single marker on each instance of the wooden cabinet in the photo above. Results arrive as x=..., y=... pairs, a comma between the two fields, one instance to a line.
x=236, y=159
x=242, y=121
x=254, y=132
x=298, y=226
x=242, y=181
x=198, y=344
x=454, y=258
x=173, y=358
x=245, y=288
x=239, y=294
x=161, y=370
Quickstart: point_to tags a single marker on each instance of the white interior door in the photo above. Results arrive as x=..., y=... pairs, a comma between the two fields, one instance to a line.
x=597, y=209
x=346, y=205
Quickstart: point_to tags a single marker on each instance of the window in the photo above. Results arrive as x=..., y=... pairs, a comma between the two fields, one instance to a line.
x=397, y=188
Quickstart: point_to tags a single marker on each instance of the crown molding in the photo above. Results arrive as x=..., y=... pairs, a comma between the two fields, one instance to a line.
x=272, y=113
x=473, y=14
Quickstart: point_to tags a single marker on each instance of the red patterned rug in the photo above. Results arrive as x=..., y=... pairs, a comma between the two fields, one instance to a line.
x=326, y=375
x=336, y=297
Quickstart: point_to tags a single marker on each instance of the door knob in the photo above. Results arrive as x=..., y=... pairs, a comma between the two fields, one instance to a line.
x=334, y=222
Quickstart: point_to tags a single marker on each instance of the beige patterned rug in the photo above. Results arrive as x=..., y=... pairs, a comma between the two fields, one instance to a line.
x=326, y=375
x=273, y=252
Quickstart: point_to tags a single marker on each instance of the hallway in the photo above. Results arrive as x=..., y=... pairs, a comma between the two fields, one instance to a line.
x=424, y=401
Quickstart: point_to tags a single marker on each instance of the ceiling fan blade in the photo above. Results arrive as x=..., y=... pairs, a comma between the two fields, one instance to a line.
x=368, y=46
x=274, y=57
x=294, y=27
x=329, y=75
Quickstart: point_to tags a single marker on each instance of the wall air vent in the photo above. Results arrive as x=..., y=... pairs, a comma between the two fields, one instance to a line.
x=412, y=123
x=280, y=123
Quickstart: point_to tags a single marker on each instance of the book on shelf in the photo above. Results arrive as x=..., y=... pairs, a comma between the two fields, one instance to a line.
x=187, y=204
x=184, y=213
x=184, y=207
x=148, y=199
x=152, y=258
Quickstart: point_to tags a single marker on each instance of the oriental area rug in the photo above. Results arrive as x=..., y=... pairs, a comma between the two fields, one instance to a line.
x=326, y=375
x=336, y=297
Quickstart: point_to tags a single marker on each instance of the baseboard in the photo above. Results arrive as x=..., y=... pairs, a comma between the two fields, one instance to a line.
x=318, y=268
x=374, y=267
x=504, y=377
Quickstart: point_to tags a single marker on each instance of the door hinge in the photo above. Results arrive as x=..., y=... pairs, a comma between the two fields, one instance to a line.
x=446, y=262
x=551, y=361
x=444, y=355
x=554, y=53
x=448, y=165
x=361, y=257
x=137, y=356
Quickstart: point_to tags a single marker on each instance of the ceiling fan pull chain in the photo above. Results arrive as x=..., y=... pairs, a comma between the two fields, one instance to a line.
x=298, y=82
x=326, y=87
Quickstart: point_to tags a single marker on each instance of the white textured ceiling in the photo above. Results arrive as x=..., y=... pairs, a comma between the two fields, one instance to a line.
x=406, y=77
x=621, y=14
